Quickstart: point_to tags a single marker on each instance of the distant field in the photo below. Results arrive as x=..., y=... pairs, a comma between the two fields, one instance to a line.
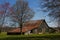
x=4, y=36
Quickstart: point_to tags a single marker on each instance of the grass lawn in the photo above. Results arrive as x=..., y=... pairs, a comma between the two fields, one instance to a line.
x=52, y=36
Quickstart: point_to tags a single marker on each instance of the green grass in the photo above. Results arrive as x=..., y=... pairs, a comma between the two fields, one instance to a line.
x=52, y=36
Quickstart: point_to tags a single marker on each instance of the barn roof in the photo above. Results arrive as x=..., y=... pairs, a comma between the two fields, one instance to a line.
x=28, y=26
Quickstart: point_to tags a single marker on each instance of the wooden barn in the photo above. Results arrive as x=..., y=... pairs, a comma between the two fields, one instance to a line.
x=32, y=27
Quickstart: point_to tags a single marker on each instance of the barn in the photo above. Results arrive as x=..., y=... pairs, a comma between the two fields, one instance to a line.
x=32, y=27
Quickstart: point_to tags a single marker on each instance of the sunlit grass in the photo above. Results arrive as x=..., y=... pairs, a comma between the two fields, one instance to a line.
x=53, y=36
x=4, y=34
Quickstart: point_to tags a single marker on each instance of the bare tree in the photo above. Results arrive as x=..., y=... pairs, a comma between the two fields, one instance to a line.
x=53, y=7
x=3, y=13
x=21, y=13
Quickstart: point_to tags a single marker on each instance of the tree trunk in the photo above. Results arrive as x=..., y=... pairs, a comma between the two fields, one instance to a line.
x=21, y=28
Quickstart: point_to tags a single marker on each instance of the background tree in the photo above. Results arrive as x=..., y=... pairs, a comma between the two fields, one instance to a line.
x=2, y=14
x=53, y=7
x=21, y=13
x=4, y=8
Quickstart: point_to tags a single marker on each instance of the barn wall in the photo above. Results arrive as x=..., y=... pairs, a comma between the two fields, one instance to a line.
x=42, y=28
x=35, y=31
x=27, y=33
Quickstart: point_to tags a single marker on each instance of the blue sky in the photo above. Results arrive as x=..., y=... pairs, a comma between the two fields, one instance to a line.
x=33, y=4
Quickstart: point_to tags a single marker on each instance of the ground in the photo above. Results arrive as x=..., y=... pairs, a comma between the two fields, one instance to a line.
x=52, y=36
